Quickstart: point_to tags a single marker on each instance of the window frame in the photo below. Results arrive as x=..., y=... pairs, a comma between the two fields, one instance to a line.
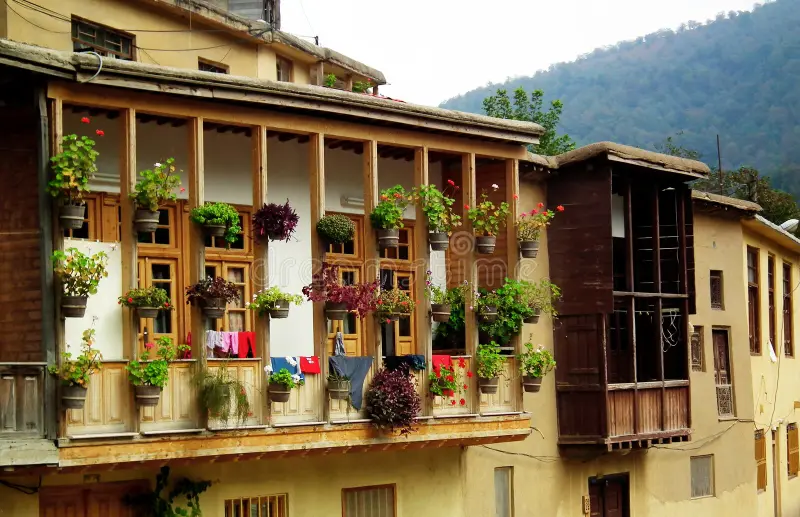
x=700, y=364
x=712, y=474
x=753, y=301
x=279, y=72
x=102, y=49
x=728, y=370
x=761, y=460
x=510, y=491
x=772, y=309
x=716, y=276
x=214, y=67
x=787, y=307
x=345, y=491
x=284, y=498
x=792, y=450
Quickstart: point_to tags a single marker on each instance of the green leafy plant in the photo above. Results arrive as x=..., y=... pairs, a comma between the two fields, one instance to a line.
x=222, y=395
x=539, y=296
x=393, y=302
x=80, y=274
x=437, y=206
x=265, y=300
x=436, y=294
x=362, y=86
x=285, y=378
x=330, y=80
x=78, y=372
x=218, y=214
x=535, y=361
x=450, y=335
x=486, y=299
x=388, y=213
x=490, y=362
x=153, y=504
x=336, y=229
x=146, y=297
x=73, y=167
x=487, y=218
x=530, y=224
x=146, y=372
x=156, y=186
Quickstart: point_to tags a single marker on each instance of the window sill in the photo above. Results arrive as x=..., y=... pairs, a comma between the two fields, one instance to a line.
x=728, y=418
x=710, y=496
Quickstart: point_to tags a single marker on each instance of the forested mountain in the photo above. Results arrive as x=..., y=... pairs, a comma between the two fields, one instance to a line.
x=737, y=76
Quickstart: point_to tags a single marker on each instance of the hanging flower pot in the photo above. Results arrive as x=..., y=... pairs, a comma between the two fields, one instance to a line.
x=534, y=318
x=147, y=396
x=71, y=216
x=278, y=392
x=339, y=389
x=489, y=386
x=388, y=317
x=145, y=221
x=145, y=313
x=439, y=241
x=214, y=230
x=214, y=308
x=73, y=306
x=529, y=249
x=488, y=313
x=279, y=310
x=73, y=397
x=335, y=311
x=440, y=312
x=388, y=238
x=212, y=296
x=531, y=384
x=485, y=244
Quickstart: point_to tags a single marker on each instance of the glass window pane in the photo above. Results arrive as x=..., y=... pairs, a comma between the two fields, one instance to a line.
x=161, y=272
x=403, y=253
x=404, y=327
x=349, y=324
x=348, y=277
x=502, y=492
x=349, y=248
x=211, y=271
x=161, y=236
x=236, y=275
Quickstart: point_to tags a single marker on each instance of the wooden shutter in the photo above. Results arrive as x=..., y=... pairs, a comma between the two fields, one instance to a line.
x=690, y=265
x=761, y=460
x=793, y=449
x=579, y=240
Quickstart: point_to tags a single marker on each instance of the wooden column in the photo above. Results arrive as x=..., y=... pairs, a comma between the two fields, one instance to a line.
x=372, y=334
x=657, y=339
x=197, y=249
x=260, y=273
x=684, y=289
x=512, y=257
x=317, y=74
x=422, y=265
x=471, y=275
x=57, y=241
x=631, y=307
x=316, y=164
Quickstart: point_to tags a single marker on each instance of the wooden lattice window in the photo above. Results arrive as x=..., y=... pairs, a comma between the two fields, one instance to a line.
x=788, y=311
x=101, y=39
x=792, y=450
x=698, y=355
x=404, y=250
x=267, y=506
x=205, y=65
x=165, y=234
x=702, y=474
x=350, y=249
x=771, y=310
x=717, y=301
x=369, y=501
x=722, y=373
x=753, y=301
x=237, y=317
x=284, y=69
x=761, y=460
x=218, y=243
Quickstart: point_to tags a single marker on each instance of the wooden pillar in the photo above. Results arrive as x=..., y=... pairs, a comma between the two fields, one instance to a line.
x=372, y=334
x=471, y=275
x=197, y=249
x=260, y=273
x=316, y=164
x=658, y=338
x=421, y=267
x=348, y=83
x=512, y=257
x=631, y=307
x=317, y=74
x=684, y=289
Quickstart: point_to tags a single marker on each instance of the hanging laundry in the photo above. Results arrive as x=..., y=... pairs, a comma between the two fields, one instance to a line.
x=310, y=365
x=247, y=344
x=213, y=341
x=187, y=354
x=292, y=364
x=230, y=342
x=355, y=369
x=437, y=361
x=405, y=362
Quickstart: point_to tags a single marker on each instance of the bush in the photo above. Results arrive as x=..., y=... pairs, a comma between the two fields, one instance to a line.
x=156, y=186
x=536, y=362
x=218, y=214
x=79, y=372
x=392, y=401
x=285, y=378
x=490, y=362
x=336, y=229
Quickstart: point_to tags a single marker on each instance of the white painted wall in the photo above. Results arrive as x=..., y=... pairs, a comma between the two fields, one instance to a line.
x=228, y=168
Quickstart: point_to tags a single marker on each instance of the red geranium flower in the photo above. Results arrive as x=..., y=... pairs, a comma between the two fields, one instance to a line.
x=85, y=120
x=462, y=402
x=534, y=212
x=183, y=189
x=100, y=132
x=541, y=205
x=453, y=402
x=449, y=378
x=516, y=196
x=560, y=208
x=130, y=300
x=166, y=304
x=466, y=207
x=439, y=374
x=469, y=374
x=451, y=183
x=465, y=386
x=462, y=363
x=148, y=346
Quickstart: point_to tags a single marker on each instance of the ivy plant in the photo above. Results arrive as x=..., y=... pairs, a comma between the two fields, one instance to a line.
x=219, y=214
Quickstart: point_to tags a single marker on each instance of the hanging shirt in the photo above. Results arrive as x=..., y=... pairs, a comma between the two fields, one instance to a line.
x=247, y=344
x=437, y=361
x=310, y=365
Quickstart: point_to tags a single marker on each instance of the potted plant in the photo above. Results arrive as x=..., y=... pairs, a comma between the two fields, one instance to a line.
x=534, y=363
x=338, y=386
x=393, y=304
x=490, y=366
x=150, y=376
x=222, y=395
x=281, y=384
x=487, y=219
x=443, y=383
x=441, y=300
x=392, y=401
x=387, y=216
x=275, y=222
x=76, y=374
x=155, y=187
x=539, y=298
x=340, y=299
x=438, y=209
x=529, y=229
x=147, y=301
x=218, y=220
x=72, y=169
x=274, y=302
x=336, y=229
x=79, y=275
x=486, y=304
x=212, y=295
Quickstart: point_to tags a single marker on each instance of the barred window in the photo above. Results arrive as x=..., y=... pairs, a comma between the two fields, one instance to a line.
x=698, y=358
x=716, y=290
x=702, y=473
x=369, y=501
x=104, y=40
x=267, y=506
x=205, y=65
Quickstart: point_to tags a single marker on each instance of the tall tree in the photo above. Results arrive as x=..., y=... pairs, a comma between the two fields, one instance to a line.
x=671, y=146
x=530, y=110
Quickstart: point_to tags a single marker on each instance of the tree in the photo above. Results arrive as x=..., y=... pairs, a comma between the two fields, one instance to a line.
x=669, y=146
x=530, y=110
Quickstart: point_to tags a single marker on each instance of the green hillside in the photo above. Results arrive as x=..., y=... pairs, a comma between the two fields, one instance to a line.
x=737, y=76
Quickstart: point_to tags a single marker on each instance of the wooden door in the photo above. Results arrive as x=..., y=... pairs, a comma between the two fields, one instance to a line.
x=350, y=327
x=608, y=497
x=237, y=317
x=722, y=374
x=97, y=500
x=398, y=337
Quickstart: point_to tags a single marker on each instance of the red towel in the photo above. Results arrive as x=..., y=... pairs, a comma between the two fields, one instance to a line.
x=441, y=360
x=309, y=365
x=247, y=344
x=187, y=354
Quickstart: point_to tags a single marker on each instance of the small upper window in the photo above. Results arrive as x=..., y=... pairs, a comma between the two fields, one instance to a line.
x=716, y=290
x=204, y=65
x=101, y=39
x=284, y=70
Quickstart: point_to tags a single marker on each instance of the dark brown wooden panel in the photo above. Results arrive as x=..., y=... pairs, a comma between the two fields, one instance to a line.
x=676, y=408
x=578, y=350
x=690, y=264
x=580, y=414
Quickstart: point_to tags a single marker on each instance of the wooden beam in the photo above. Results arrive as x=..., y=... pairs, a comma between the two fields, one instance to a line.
x=316, y=163
x=512, y=254
x=56, y=137
x=631, y=310
x=372, y=334
x=423, y=265
x=684, y=287
x=658, y=338
x=471, y=275
x=260, y=270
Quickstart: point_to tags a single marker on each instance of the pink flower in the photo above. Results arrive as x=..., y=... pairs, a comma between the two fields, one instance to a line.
x=516, y=196
x=451, y=183
x=85, y=120
x=100, y=132
x=541, y=205
x=534, y=212
x=457, y=187
x=149, y=346
x=388, y=320
x=183, y=189
x=560, y=208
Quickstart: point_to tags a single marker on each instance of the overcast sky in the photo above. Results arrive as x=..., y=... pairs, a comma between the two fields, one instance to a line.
x=431, y=50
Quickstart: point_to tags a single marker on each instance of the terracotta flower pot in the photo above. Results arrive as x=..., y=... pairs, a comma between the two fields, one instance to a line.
x=73, y=397
x=145, y=221
x=147, y=312
x=529, y=249
x=278, y=392
x=335, y=311
x=147, y=396
x=214, y=230
x=339, y=390
x=280, y=310
x=533, y=318
x=214, y=308
x=485, y=244
x=440, y=312
x=489, y=386
x=388, y=238
x=488, y=314
x=73, y=306
x=71, y=216
x=531, y=384
x=439, y=241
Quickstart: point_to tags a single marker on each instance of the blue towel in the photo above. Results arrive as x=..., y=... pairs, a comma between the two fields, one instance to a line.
x=355, y=369
x=279, y=363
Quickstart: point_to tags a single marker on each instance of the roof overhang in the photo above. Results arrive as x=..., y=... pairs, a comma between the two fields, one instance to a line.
x=773, y=232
